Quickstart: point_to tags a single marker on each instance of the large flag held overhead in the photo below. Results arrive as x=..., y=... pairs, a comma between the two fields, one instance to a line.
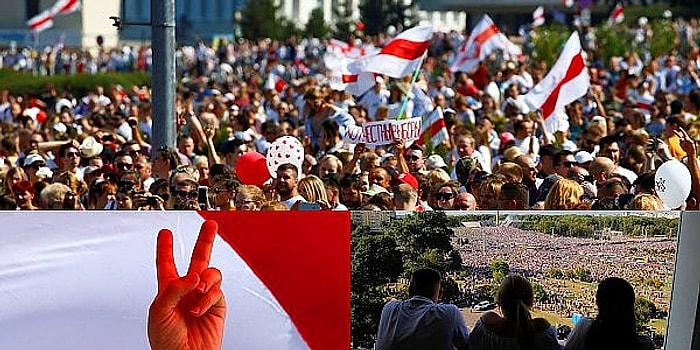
x=44, y=20
x=567, y=81
x=484, y=39
x=400, y=57
x=41, y=22
x=355, y=82
x=85, y=280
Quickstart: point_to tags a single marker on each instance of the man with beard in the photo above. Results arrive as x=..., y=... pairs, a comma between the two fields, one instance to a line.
x=350, y=191
x=286, y=185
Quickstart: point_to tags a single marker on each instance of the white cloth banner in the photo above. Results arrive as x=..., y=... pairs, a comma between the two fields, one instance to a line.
x=385, y=132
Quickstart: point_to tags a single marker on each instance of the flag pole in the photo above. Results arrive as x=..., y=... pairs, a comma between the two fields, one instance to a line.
x=410, y=87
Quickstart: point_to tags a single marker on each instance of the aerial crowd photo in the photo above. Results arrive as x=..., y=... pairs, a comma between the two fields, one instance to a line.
x=506, y=177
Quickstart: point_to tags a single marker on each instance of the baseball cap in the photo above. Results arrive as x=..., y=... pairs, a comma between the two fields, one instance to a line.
x=583, y=157
x=33, y=158
x=435, y=161
x=408, y=179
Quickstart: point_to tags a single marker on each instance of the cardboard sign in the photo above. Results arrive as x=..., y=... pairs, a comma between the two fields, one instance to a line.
x=385, y=132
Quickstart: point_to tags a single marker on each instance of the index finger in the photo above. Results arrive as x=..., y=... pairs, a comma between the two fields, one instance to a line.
x=165, y=263
x=203, y=247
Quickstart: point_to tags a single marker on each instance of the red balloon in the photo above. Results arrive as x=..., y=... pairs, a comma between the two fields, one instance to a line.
x=252, y=170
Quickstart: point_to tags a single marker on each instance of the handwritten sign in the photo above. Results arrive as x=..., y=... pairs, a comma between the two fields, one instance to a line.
x=385, y=132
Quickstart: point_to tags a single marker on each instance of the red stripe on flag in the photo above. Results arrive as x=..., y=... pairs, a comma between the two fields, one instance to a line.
x=486, y=34
x=347, y=78
x=314, y=289
x=406, y=49
x=68, y=6
x=575, y=68
x=39, y=23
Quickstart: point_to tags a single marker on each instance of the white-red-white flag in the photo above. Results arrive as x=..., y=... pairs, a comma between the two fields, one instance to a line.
x=538, y=16
x=434, y=129
x=401, y=56
x=566, y=81
x=41, y=22
x=64, y=7
x=617, y=15
x=350, y=50
x=485, y=39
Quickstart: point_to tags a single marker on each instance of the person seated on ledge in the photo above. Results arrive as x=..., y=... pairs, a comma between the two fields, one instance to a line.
x=614, y=327
x=516, y=329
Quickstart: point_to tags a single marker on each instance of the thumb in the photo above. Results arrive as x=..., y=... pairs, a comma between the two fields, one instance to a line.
x=177, y=289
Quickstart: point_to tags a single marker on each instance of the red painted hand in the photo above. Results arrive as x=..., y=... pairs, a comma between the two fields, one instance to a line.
x=188, y=312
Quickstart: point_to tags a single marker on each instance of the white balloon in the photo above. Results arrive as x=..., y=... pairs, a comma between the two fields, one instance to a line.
x=286, y=149
x=673, y=184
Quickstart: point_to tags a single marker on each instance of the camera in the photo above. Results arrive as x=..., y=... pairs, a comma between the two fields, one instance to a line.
x=132, y=122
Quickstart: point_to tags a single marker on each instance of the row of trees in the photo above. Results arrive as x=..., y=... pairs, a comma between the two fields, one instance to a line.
x=261, y=19
x=595, y=226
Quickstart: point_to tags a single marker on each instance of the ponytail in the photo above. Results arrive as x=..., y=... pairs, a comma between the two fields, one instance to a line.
x=524, y=331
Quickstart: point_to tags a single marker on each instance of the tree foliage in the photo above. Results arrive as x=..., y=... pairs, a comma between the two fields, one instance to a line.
x=644, y=311
x=378, y=15
x=260, y=20
x=499, y=270
x=316, y=26
x=343, y=25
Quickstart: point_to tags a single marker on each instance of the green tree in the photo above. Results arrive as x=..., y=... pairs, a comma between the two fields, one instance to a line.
x=316, y=26
x=260, y=20
x=499, y=270
x=644, y=311
x=378, y=15
x=556, y=273
x=539, y=292
x=343, y=23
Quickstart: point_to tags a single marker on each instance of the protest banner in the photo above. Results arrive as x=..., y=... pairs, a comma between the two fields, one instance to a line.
x=385, y=132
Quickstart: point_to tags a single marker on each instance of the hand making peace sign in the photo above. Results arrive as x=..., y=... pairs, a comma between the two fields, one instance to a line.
x=188, y=312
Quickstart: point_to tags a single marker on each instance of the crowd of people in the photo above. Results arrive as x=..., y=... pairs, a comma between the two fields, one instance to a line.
x=62, y=151
x=543, y=258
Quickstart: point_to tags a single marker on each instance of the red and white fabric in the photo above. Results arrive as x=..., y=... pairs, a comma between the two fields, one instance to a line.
x=567, y=81
x=484, y=39
x=401, y=56
x=85, y=280
x=65, y=7
x=350, y=50
x=355, y=82
x=617, y=15
x=275, y=82
x=434, y=129
x=41, y=22
x=538, y=16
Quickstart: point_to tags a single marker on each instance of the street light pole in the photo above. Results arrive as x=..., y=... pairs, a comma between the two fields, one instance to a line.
x=163, y=81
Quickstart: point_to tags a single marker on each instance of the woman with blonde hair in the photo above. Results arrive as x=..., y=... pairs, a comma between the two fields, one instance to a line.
x=565, y=194
x=437, y=177
x=249, y=197
x=312, y=189
x=12, y=177
x=646, y=201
